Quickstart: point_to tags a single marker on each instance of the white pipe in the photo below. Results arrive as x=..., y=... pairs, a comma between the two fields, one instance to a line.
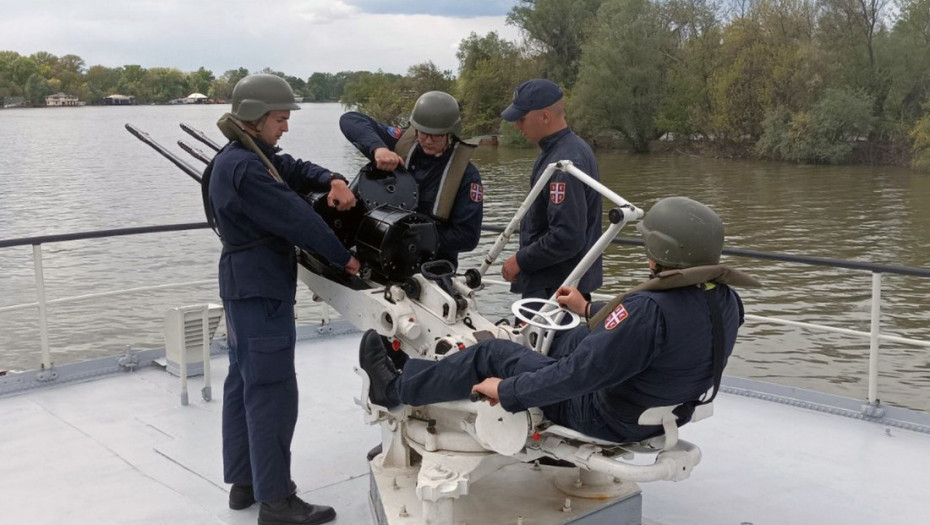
x=43, y=312
x=207, y=391
x=873, y=339
x=674, y=464
x=512, y=225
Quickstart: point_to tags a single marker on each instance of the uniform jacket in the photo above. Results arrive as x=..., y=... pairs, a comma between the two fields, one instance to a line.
x=563, y=222
x=654, y=349
x=268, y=218
x=463, y=229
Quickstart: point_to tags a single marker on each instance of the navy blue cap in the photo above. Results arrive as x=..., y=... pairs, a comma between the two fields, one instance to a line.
x=533, y=94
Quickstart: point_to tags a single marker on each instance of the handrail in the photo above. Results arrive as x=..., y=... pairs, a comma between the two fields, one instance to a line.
x=874, y=333
x=96, y=234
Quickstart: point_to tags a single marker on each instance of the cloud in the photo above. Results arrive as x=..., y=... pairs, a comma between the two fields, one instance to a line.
x=451, y=8
x=297, y=37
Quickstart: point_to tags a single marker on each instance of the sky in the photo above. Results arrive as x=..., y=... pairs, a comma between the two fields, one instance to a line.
x=297, y=37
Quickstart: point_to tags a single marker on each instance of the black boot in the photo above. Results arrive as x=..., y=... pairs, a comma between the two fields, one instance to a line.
x=293, y=510
x=242, y=496
x=374, y=360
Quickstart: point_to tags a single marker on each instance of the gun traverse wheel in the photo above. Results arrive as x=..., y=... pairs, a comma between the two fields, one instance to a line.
x=547, y=320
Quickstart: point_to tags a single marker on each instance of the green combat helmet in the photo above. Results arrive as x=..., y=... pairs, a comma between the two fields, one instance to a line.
x=258, y=94
x=436, y=113
x=681, y=233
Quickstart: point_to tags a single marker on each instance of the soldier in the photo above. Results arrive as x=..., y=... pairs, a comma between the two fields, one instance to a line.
x=449, y=186
x=251, y=191
x=565, y=220
x=664, y=343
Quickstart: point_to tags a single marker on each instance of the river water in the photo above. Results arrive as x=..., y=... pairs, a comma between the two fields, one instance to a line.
x=69, y=170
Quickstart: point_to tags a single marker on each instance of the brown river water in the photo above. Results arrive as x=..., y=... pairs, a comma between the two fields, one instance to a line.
x=67, y=170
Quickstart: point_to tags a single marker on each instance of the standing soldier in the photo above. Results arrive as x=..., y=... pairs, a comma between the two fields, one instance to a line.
x=251, y=191
x=449, y=186
x=565, y=220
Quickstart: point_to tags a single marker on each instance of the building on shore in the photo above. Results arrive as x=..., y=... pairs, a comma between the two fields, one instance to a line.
x=12, y=102
x=119, y=100
x=197, y=98
x=61, y=100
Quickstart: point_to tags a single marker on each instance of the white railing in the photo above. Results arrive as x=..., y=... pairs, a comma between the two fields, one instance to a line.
x=874, y=335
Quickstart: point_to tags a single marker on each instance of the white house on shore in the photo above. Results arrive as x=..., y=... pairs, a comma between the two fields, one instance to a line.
x=62, y=99
x=119, y=100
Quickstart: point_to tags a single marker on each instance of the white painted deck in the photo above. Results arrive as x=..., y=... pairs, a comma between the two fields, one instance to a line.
x=122, y=450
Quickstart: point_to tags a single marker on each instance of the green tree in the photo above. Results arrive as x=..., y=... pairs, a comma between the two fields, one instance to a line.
x=908, y=51
x=850, y=31
x=622, y=79
x=489, y=70
x=426, y=76
x=102, y=82
x=379, y=95
x=557, y=29
x=767, y=59
x=920, y=134
x=825, y=134
x=133, y=82
x=696, y=31
x=223, y=86
x=200, y=81
x=165, y=84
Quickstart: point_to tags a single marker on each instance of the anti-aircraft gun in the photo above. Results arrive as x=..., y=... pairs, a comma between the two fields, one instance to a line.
x=470, y=462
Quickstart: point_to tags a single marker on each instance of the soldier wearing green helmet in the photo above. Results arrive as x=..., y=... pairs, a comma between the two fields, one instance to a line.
x=432, y=150
x=251, y=198
x=663, y=343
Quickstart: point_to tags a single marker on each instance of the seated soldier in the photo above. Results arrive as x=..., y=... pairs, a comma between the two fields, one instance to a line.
x=654, y=346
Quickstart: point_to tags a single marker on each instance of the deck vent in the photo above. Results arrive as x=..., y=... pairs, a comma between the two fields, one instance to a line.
x=184, y=336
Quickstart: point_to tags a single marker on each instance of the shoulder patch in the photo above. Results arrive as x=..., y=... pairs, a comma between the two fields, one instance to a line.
x=476, y=193
x=616, y=317
x=557, y=192
x=394, y=131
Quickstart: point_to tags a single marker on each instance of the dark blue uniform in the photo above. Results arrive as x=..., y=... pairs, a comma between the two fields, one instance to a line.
x=562, y=223
x=461, y=232
x=260, y=221
x=654, y=349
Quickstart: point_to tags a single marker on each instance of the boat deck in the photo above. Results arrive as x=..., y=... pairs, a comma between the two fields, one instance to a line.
x=122, y=449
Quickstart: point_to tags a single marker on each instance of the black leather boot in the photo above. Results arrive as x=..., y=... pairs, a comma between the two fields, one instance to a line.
x=374, y=360
x=242, y=496
x=293, y=510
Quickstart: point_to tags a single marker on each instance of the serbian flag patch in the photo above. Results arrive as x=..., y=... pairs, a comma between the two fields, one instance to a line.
x=616, y=317
x=557, y=192
x=395, y=132
x=476, y=193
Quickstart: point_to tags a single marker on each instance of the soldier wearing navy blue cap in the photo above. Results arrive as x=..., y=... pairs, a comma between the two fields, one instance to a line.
x=565, y=220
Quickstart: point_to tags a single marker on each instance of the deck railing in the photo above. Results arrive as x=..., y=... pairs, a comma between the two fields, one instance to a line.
x=874, y=335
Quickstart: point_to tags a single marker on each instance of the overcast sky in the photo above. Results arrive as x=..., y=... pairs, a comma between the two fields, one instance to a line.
x=298, y=37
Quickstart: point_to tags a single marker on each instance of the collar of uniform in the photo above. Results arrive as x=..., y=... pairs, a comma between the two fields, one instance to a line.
x=549, y=141
x=269, y=151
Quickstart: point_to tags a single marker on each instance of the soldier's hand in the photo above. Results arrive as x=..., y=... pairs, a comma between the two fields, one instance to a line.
x=488, y=388
x=571, y=298
x=353, y=266
x=510, y=269
x=387, y=160
x=340, y=196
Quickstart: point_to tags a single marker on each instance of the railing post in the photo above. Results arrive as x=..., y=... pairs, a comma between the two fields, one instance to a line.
x=874, y=330
x=207, y=391
x=40, y=300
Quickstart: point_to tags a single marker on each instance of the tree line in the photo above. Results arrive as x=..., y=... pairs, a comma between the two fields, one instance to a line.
x=817, y=81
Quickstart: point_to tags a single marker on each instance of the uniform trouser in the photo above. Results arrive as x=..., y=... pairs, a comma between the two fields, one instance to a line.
x=424, y=381
x=260, y=396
